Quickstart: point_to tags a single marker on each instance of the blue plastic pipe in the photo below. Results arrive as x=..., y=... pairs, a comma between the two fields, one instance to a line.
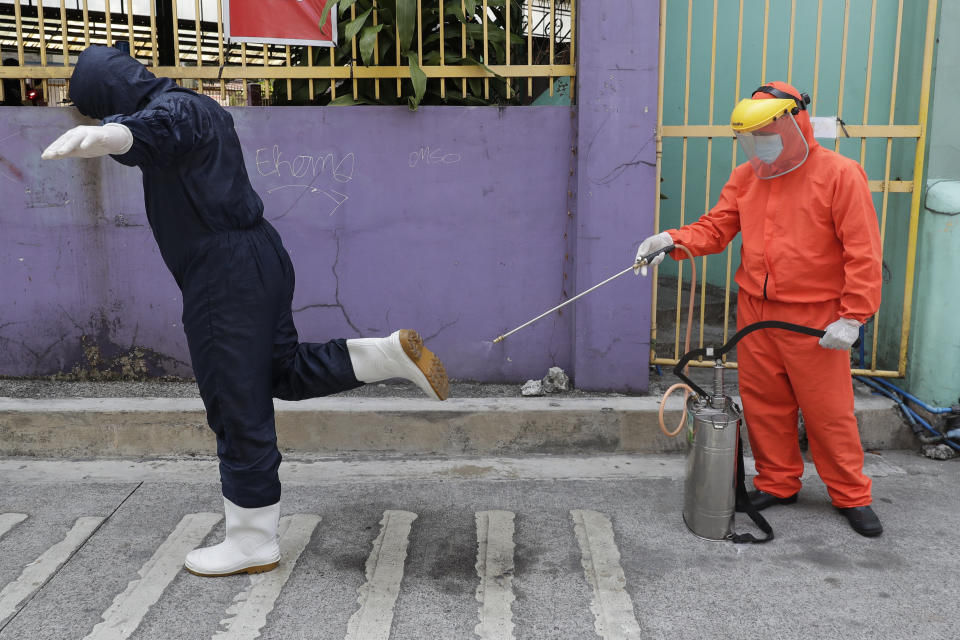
x=911, y=415
x=930, y=408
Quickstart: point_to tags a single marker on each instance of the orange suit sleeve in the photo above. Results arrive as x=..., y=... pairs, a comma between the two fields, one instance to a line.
x=714, y=230
x=858, y=231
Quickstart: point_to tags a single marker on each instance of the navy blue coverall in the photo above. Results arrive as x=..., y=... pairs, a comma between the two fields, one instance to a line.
x=236, y=278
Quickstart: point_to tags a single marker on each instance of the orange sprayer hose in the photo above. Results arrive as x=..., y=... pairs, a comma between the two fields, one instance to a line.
x=686, y=348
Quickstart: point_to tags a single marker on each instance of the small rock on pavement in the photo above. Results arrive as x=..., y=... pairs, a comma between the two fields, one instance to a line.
x=556, y=380
x=532, y=388
x=939, y=452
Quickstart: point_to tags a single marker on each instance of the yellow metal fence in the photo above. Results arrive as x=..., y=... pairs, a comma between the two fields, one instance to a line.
x=43, y=39
x=677, y=136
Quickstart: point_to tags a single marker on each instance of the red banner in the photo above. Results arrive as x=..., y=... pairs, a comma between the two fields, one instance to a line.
x=279, y=22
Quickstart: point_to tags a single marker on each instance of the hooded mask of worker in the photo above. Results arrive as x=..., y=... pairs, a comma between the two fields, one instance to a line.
x=769, y=127
x=108, y=82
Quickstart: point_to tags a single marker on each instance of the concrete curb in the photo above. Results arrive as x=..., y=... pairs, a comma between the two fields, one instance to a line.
x=135, y=427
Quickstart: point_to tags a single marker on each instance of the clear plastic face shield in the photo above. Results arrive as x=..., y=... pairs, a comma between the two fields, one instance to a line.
x=775, y=149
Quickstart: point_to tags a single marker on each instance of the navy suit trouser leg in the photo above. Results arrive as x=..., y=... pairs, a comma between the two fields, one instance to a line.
x=237, y=296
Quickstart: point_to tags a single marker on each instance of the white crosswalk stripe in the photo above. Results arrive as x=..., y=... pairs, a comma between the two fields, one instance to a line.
x=36, y=574
x=246, y=618
x=9, y=521
x=248, y=614
x=378, y=595
x=611, y=605
x=495, y=549
x=129, y=607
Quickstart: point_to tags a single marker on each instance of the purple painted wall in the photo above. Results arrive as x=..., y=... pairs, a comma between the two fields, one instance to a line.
x=446, y=220
x=459, y=222
x=617, y=120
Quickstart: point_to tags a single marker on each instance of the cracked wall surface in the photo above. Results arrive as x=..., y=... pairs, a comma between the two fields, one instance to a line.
x=617, y=82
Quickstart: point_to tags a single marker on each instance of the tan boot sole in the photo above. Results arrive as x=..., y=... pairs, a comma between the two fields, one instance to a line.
x=426, y=361
x=263, y=568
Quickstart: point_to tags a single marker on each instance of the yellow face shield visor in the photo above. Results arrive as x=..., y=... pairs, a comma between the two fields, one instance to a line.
x=769, y=136
x=750, y=115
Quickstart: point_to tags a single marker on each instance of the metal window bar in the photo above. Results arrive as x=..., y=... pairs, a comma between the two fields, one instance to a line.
x=887, y=160
x=443, y=47
x=353, y=45
x=108, y=19
x=86, y=23
x=63, y=34
x=176, y=33
x=509, y=46
x=220, y=57
x=42, y=36
x=683, y=174
x=486, y=48
x=793, y=25
x=917, y=178
x=197, y=32
x=420, y=34
x=816, y=60
x=766, y=34
x=130, y=38
x=529, y=44
x=553, y=38
x=713, y=84
x=376, y=51
x=864, y=131
x=843, y=67
x=333, y=82
x=573, y=44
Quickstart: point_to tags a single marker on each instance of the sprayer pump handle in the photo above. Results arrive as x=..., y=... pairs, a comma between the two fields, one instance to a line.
x=718, y=352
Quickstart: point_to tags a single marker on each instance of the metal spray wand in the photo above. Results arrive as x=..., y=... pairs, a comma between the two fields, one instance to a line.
x=639, y=263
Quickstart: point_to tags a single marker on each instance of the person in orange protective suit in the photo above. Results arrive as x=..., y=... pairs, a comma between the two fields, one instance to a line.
x=811, y=255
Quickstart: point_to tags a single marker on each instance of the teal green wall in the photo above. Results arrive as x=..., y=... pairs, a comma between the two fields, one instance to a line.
x=697, y=201
x=933, y=371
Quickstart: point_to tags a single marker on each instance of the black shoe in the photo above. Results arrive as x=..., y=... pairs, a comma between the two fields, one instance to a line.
x=761, y=500
x=863, y=520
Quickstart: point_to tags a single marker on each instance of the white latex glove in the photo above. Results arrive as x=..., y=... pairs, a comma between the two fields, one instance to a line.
x=90, y=142
x=648, y=246
x=841, y=334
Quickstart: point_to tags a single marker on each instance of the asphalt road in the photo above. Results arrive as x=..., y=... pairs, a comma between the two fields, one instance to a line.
x=535, y=548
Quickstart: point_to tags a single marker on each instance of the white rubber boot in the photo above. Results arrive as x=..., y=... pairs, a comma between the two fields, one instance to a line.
x=401, y=355
x=250, y=545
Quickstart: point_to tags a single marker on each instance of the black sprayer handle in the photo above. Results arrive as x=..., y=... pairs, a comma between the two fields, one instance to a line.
x=715, y=353
x=647, y=259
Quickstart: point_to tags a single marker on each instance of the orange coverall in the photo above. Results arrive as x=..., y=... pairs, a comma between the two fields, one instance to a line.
x=811, y=254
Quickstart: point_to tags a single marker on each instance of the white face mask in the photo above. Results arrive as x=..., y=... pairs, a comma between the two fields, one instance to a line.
x=768, y=148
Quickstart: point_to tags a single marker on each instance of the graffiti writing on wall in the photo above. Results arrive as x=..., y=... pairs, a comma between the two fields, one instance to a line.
x=303, y=172
x=428, y=155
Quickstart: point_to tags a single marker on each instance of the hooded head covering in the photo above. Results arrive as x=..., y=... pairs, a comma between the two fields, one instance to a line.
x=108, y=82
x=773, y=129
x=802, y=118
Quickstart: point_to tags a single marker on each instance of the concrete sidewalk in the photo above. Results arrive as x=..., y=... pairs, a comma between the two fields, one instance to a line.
x=63, y=419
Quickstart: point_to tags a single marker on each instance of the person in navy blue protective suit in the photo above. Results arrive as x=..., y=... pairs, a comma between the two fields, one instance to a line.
x=237, y=283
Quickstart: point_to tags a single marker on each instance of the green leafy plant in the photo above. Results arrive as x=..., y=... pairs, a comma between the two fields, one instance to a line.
x=395, y=28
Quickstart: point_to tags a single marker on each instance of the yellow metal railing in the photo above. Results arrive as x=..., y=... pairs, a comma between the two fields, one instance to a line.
x=42, y=30
x=709, y=131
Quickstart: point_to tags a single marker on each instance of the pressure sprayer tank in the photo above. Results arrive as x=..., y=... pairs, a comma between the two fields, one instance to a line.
x=710, y=489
